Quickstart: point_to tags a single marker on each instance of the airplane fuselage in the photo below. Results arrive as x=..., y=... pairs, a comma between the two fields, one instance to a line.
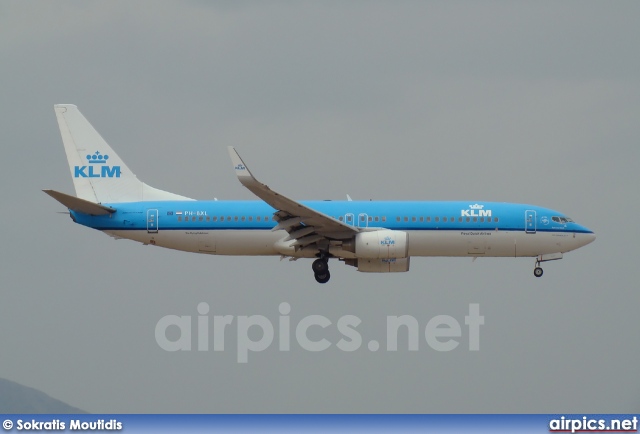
x=476, y=229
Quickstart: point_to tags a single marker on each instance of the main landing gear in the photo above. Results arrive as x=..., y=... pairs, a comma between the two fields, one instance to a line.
x=321, y=269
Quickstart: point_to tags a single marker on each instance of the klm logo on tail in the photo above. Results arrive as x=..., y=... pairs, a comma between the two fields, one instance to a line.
x=97, y=168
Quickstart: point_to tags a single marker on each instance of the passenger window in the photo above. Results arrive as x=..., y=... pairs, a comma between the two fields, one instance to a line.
x=384, y=218
x=444, y=219
x=208, y=218
x=475, y=219
x=398, y=219
x=215, y=218
x=193, y=219
x=460, y=219
x=200, y=218
x=250, y=218
x=495, y=219
x=376, y=218
x=481, y=219
x=258, y=218
x=437, y=219
x=406, y=219
x=341, y=218
x=179, y=218
x=413, y=219
x=428, y=219
x=468, y=219
x=243, y=218
x=370, y=219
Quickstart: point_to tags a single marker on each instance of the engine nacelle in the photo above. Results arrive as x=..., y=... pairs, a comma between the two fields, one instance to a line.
x=382, y=244
x=381, y=265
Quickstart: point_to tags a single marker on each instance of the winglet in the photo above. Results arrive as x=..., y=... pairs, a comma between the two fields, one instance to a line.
x=242, y=171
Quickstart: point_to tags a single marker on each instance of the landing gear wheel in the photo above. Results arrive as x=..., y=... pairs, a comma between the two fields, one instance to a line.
x=537, y=272
x=320, y=266
x=323, y=277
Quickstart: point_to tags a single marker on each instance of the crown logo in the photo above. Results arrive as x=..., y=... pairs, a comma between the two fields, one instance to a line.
x=387, y=241
x=476, y=206
x=97, y=158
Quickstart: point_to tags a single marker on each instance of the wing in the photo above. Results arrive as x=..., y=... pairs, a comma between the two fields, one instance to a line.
x=304, y=225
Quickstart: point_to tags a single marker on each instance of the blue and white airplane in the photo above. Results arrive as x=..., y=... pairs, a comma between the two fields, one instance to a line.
x=374, y=237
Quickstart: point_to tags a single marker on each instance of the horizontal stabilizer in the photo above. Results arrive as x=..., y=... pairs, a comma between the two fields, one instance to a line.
x=80, y=205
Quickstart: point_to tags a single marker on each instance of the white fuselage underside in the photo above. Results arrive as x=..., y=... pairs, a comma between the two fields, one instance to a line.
x=421, y=242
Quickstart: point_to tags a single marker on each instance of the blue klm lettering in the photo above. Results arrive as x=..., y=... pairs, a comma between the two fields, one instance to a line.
x=92, y=172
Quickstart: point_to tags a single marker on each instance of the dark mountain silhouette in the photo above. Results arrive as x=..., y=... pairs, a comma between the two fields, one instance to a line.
x=15, y=398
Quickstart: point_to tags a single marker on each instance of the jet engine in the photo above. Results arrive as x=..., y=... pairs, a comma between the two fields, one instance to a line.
x=382, y=244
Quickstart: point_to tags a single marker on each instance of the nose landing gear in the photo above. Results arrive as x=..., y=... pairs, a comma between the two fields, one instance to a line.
x=538, y=270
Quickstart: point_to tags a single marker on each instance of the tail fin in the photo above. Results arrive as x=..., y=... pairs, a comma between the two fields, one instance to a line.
x=98, y=174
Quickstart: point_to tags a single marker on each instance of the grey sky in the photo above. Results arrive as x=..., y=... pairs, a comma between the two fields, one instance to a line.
x=534, y=102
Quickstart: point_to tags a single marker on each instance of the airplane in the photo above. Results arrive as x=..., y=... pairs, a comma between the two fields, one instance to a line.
x=372, y=236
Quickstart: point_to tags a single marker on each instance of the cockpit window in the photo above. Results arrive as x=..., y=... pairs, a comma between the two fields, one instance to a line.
x=561, y=219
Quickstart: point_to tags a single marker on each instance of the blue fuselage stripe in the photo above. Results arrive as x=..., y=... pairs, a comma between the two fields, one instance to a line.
x=510, y=217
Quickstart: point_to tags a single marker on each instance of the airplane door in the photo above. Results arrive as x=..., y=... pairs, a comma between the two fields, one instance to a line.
x=348, y=219
x=363, y=220
x=152, y=221
x=530, y=221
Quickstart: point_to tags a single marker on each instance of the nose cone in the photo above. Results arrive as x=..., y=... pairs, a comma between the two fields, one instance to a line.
x=591, y=237
x=586, y=237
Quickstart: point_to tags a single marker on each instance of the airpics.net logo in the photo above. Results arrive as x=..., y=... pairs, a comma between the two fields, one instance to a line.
x=97, y=167
x=313, y=333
